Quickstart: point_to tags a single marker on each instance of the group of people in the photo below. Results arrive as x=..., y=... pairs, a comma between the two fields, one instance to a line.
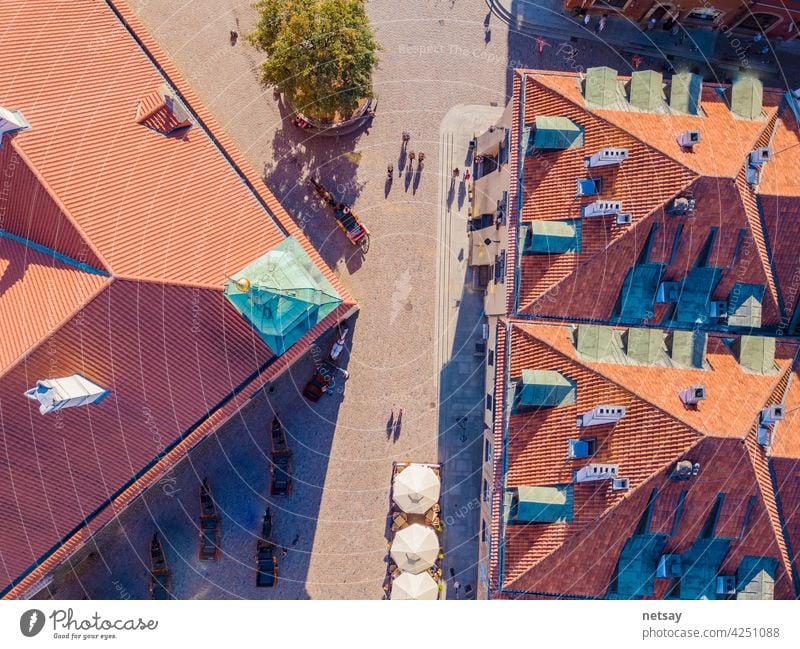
x=411, y=157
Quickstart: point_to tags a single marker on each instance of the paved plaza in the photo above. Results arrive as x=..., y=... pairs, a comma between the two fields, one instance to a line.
x=442, y=77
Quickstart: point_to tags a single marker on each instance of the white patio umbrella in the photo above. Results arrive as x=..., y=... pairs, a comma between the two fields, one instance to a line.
x=411, y=586
x=416, y=489
x=415, y=548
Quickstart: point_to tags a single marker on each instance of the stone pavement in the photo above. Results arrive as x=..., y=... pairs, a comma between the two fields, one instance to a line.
x=707, y=52
x=459, y=324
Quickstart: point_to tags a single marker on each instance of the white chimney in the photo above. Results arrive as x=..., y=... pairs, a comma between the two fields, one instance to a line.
x=55, y=394
x=688, y=139
x=595, y=472
x=620, y=484
x=624, y=219
x=607, y=156
x=602, y=415
x=602, y=208
x=760, y=156
x=693, y=395
x=772, y=414
x=11, y=121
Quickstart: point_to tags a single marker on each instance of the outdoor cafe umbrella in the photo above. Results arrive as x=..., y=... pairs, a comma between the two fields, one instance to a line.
x=410, y=586
x=415, y=548
x=416, y=489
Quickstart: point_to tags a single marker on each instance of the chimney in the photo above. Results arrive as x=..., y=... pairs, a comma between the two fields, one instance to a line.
x=602, y=208
x=605, y=157
x=620, y=484
x=760, y=156
x=772, y=414
x=685, y=92
x=693, y=395
x=596, y=472
x=602, y=415
x=67, y=392
x=688, y=139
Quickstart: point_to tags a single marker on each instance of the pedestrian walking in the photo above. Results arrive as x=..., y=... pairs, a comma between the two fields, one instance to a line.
x=411, y=156
x=651, y=24
x=456, y=172
x=406, y=137
x=601, y=25
x=540, y=44
x=421, y=159
x=587, y=19
x=636, y=60
x=466, y=175
x=390, y=171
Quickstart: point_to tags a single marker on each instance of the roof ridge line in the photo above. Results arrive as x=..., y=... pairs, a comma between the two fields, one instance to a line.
x=51, y=252
x=61, y=206
x=80, y=307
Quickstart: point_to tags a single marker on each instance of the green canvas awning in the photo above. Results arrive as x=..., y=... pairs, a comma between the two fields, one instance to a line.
x=688, y=348
x=756, y=353
x=282, y=295
x=644, y=345
x=542, y=389
x=557, y=133
x=646, y=90
x=685, y=92
x=601, y=87
x=595, y=342
x=542, y=504
x=553, y=237
x=744, y=305
x=747, y=97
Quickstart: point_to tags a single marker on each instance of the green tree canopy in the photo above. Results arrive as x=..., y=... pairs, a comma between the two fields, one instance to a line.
x=320, y=53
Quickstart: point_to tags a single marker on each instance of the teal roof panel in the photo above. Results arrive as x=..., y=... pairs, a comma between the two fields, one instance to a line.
x=543, y=389
x=553, y=237
x=557, y=133
x=552, y=504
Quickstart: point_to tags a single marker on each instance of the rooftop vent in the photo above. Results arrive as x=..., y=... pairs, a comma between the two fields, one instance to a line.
x=580, y=448
x=624, y=219
x=688, y=139
x=760, y=156
x=668, y=292
x=682, y=206
x=684, y=470
x=685, y=92
x=163, y=111
x=11, y=121
x=601, y=87
x=646, y=91
x=602, y=208
x=726, y=585
x=605, y=157
x=747, y=95
x=669, y=566
x=602, y=415
x=595, y=472
x=772, y=414
x=693, y=395
x=718, y=309
x=55, y=394
x=621, y=484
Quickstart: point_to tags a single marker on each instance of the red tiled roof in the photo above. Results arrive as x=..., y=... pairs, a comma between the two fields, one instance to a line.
x=133, y=285
x=579, y=558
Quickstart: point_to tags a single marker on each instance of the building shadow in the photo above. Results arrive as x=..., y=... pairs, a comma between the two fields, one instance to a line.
x=236, y=460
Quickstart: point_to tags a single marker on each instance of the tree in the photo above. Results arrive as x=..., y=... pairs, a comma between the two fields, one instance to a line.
x=320, y=53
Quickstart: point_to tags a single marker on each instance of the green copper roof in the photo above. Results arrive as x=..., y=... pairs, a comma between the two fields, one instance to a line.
x=755, y=578
x=595, y=342
x=543, y=388
x=601, y=87
x=644, y=345
x=646, y=90
x=552, y=237
x=557, y=133
x=688, y=348
x=744, y=305
x=747, y=96
x=685, y=92
x=638, y=292
x=287, y=295
x=542, y=504
x=701, y=565
x=696, y=292
x=637, y=565
x=756, y=353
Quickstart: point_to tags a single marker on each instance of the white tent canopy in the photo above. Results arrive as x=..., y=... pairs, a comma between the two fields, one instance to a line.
x=411, y=586
x=416, y=489
x=415, y=548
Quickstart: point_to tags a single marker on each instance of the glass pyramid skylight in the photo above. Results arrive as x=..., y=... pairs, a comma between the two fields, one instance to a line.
x=282, y=295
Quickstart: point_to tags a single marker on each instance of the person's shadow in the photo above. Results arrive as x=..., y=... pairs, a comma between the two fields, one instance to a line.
x=452, y=192
x=387, y=186
x=398, y=425
x=417, y=178
x=408, y=175
x=462, y=193
x=390, y=426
